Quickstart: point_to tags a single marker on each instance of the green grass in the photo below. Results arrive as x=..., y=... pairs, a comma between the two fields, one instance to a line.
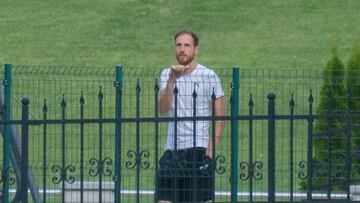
x=251, y=34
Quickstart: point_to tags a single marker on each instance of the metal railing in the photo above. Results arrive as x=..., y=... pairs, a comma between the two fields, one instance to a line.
x=131, y=162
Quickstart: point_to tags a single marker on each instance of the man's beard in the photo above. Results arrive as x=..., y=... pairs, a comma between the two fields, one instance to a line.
x=188, y=59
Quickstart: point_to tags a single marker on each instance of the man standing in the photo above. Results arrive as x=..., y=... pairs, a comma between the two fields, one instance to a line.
x=185, y=173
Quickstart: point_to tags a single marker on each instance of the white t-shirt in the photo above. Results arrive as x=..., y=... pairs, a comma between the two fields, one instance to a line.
x=205, y=82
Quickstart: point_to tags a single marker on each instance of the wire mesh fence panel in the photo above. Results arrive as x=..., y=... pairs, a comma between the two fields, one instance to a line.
x=62, y=155
x=73, y=158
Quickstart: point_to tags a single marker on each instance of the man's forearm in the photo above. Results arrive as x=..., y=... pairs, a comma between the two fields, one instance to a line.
x=219, y=125
x=166, y=96
x=219, y=128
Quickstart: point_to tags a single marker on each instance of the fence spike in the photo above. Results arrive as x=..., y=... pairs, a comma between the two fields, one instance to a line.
x=311, y=98
x=176, y=91
x=213, y=96
x=156, y=87
x=45, y=108
x=194, y=94
x=100, y=95
x=82, y=101
x=251, y=102
x=138, y=88
x=63, y=103
x=292, y=102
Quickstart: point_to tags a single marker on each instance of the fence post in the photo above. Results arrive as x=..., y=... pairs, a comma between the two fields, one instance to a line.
x=24, y=150
x=271, y=148
x=7, y=133
x=118, y=109
x=234, y=134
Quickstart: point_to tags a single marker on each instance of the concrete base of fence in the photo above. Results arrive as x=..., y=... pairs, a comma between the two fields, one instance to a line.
x=355, y=192
x=90, y=192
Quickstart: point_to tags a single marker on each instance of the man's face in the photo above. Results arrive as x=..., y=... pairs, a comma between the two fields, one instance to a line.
x=185, y=50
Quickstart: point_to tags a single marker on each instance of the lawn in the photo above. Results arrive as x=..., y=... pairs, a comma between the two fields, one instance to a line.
x=251, y=34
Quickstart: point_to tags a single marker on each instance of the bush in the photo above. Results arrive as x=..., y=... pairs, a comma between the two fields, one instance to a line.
x=340, y=92
x=329, y=146
x=353, y=85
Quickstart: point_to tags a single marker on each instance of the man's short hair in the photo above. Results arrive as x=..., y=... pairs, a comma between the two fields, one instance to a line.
x=189, y=32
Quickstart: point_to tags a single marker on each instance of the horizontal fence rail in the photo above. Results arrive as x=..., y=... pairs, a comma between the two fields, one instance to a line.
x=68, y=159
x=200, y=118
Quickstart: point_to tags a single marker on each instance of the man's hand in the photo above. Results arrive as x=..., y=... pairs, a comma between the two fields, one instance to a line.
x=165, y=99
x=177, y=71
x=208, y=152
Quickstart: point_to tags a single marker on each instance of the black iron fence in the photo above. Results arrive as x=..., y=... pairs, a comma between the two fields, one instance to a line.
x=112, y=155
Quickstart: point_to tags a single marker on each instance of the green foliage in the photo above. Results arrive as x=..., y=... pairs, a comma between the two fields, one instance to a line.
x=353, y=85
x=353, y=75
x=333, y=90
x=327, y=145
x=340, y=92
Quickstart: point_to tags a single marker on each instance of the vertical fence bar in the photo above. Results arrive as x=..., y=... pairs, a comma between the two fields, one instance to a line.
x=63, y=152
x=251, y=164
x=309, y=185
x=156, y=98
x=24, y=150
x=137, y=156
x=82, y=147
x=45, y=109
x=329, y=143
x=100, y=162
x=6, y=149
x=234, y=134
x=175, y=92
x=176, y=181
x=213, y=167
x=118, y=114
x=347, y=134
x=271, y=148
x=195, y=191
x=292, y=106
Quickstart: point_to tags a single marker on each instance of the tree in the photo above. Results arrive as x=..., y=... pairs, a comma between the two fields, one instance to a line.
x=353, y=86
x=329, y=145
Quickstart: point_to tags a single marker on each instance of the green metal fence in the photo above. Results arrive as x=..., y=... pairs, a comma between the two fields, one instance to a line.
x=110, y=94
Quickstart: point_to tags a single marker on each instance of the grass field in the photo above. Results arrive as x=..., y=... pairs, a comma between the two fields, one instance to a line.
x=251, y=34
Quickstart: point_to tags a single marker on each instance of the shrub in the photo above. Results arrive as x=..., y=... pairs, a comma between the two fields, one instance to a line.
x=328, y=145
x=353, y=86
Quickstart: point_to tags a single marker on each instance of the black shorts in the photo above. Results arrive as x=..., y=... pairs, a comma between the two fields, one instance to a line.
x=185, y=176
